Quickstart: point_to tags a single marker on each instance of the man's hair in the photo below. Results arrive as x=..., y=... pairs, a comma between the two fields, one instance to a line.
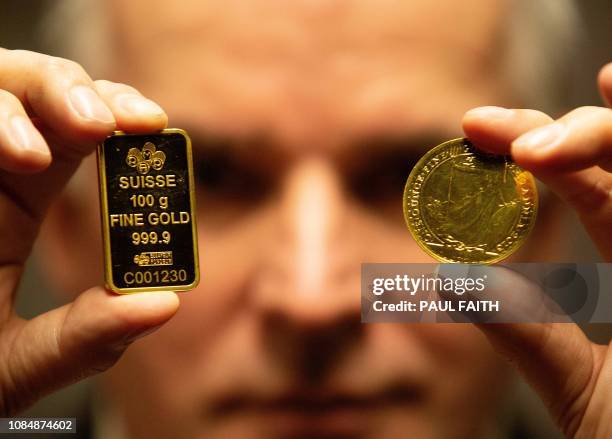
x=538, y=46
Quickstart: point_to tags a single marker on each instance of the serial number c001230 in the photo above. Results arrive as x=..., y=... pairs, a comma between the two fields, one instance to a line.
x=146, y=277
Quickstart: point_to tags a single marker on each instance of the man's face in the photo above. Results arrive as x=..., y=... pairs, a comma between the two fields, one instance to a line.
x=306, y=118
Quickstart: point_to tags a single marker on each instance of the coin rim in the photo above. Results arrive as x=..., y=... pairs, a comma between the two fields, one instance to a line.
x=412, y=176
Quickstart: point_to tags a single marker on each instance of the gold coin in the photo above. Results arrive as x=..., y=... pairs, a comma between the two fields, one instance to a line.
x=463, y=205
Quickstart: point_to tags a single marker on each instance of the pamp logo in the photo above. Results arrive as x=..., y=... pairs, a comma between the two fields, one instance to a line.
x=145, y=159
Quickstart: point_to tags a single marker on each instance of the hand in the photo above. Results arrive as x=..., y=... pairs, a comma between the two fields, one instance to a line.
x=573, y=156
x=51, y=116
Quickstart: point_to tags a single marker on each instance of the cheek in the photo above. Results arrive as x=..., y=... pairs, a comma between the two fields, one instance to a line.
x=460, y=349
x=227, y=260
x=384, y=238
x=467, y=367
x=172, y=362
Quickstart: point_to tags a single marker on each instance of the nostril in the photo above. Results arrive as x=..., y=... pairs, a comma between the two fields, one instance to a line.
x=311, y=347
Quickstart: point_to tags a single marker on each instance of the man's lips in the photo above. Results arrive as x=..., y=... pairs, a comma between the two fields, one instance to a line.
x=317, y=404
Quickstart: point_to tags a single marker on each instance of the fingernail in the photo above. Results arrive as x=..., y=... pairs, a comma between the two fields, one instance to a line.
x=88, y=105
x=23, y=134
x=490, y=112
x=133, y=103
x=541, y=137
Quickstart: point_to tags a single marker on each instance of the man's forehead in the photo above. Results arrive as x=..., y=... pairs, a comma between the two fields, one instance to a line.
x=289, y=66
x=304, y=25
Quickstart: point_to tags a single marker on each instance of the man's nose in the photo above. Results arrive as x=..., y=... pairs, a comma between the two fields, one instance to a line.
x=310, y=275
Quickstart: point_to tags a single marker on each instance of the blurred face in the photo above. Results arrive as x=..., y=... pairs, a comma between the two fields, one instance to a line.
x=306, y=118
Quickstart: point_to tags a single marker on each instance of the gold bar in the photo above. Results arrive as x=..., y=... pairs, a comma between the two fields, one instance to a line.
x=147, y=205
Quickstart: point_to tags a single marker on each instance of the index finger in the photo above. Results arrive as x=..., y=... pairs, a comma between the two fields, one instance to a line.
x=493, y=129
x=61, y=94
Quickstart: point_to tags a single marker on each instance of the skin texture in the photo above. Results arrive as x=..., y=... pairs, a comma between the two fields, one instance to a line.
x=295, y=120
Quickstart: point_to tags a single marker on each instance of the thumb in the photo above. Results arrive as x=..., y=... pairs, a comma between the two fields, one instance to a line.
x=74, y=341
x=557, y=360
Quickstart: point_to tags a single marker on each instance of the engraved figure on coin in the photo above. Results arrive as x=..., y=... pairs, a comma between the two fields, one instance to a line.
x=475, y=212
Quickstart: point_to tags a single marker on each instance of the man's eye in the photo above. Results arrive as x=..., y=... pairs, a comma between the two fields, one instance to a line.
x=378, y=169
x=228, y=178
x=380, y=179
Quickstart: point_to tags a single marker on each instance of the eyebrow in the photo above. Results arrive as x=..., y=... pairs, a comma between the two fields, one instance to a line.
x=249, y=155
x=382, y=146
x=374, y=149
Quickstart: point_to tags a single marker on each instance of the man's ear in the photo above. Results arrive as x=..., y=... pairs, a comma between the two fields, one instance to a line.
x=69, y=248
